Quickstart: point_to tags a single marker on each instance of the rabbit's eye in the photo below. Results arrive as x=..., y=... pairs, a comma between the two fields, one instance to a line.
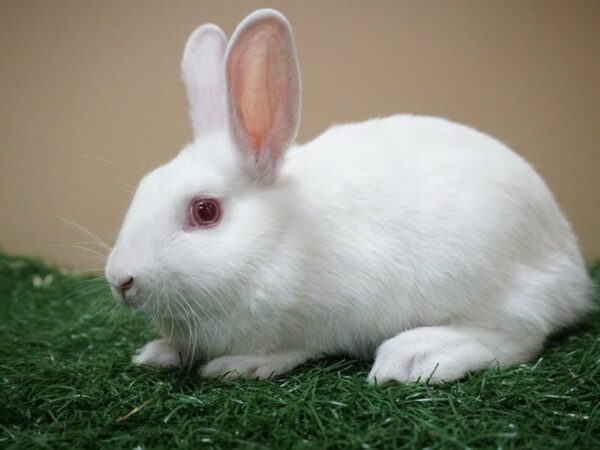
x=204, y=212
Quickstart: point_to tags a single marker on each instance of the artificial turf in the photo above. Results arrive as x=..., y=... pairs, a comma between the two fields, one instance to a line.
x=66, y=381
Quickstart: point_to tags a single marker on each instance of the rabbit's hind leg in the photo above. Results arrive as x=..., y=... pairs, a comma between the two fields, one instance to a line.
x=446, y=353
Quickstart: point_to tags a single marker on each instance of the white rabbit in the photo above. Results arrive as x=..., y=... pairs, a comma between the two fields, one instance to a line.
x=424, y=243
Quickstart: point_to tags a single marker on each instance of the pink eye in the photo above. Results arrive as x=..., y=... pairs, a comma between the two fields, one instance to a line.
x=204, y=212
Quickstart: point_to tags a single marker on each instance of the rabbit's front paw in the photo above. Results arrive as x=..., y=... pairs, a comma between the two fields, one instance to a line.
x=253, y=366
x=157, y=354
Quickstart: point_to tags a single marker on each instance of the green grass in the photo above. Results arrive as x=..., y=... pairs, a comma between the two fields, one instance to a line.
x=66, y=382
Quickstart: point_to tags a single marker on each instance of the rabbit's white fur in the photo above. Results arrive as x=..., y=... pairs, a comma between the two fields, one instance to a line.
x=422, y=240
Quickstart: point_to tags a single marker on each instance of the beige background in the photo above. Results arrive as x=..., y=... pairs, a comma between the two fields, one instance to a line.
x=90, y=95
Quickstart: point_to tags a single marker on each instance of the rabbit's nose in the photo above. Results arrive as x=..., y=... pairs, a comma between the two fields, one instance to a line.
x=125, y=286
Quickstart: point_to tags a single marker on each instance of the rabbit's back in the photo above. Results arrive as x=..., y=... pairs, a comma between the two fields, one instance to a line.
x=419, y=221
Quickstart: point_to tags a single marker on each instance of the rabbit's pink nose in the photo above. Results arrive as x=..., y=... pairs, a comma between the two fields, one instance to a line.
x=125, y=286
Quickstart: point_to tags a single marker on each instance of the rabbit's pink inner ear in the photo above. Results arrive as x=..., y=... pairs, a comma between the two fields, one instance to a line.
x=254, y=98
x=262, y=76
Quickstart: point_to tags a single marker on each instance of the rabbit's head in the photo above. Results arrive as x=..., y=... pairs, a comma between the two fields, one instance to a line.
x=200, y=226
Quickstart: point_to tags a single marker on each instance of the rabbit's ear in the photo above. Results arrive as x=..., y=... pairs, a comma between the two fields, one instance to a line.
x=263, y=85
x=203, y=74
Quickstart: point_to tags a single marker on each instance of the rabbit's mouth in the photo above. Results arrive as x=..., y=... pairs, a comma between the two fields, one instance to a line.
x=130, y=298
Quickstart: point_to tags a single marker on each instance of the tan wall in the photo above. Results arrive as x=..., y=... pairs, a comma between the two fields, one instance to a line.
x=90, y=95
